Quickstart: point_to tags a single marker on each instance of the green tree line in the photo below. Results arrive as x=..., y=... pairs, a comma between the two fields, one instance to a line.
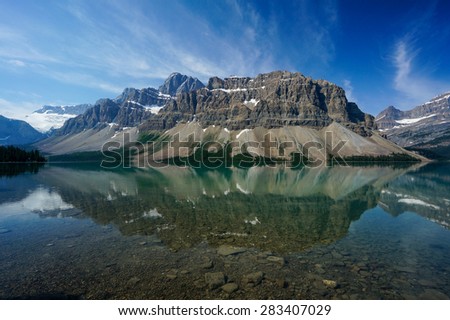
x=14, y=154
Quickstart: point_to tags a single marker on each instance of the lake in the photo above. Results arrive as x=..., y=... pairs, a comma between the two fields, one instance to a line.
x=82, y=232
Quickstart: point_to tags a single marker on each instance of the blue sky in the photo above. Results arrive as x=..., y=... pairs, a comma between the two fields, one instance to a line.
x=67, y=52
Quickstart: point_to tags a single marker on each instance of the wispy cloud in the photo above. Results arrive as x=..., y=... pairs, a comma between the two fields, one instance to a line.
x=415, y=84
x=348, y=87
x=15, y=110
x=109, y=45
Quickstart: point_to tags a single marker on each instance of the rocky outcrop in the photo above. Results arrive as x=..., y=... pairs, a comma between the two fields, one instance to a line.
x=177, y=83
x=425, y=128
x=105, y=112
x=142, y=97
x=131, y=108
x=271, y=100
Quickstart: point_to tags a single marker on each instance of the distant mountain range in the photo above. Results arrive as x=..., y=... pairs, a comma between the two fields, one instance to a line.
x=49, y=118
x=17, y=132
x=109, y=119
x=287, y=105
x=425, y=128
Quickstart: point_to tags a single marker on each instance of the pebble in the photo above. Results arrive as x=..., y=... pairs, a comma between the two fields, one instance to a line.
x=281, y=283
x=405, y=269
x=207, y=263
x=253, y=279
x=330, y=283
x=278, y=260
x=214, y=280
x=364, y=273
x=143, y=243
x=426, y=283
x=172, y=274
x=133, y=281
x=230, y=287
x=226, y=250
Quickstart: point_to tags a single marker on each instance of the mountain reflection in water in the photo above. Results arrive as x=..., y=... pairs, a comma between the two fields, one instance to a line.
x=77, y=231
x=272, y=209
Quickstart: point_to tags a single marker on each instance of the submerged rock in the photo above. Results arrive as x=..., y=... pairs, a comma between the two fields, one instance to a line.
x=214, y=280
x=330, y=283
x=253, y=279
x=230, y=287
x=277, y=260
x=226, y=250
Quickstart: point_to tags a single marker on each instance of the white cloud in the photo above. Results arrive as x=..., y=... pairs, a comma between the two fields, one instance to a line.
x=40, y=200
x=416, y=86
x=16, y=110
x=348, y=87
x=17, y=63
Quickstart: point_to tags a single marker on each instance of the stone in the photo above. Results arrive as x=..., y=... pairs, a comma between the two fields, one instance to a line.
x=252, y=279
x=330, y=283
x=214, y=280
x=405, y=269
x=230, y=287
x=226, y=250
x=172, y=274
x=281, y=283
x=277, y=260
x=207, y=263
x=133, y=281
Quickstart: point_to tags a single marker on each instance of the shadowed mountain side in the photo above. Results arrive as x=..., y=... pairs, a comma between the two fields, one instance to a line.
x=271, y=209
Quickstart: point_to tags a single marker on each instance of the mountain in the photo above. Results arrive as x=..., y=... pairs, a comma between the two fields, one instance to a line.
x=49, y=118
x=271, y=100
x=17, y=132
x=177, y=83
x=110, y=119
x=423, y=191
x=425, y=128
x=280, y=107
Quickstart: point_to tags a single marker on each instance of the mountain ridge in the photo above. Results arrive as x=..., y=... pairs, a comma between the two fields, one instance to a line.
x=424, y=128
x=290, y=106
x=17, y=132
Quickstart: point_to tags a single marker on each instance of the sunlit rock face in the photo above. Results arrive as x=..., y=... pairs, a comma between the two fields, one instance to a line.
x=269, y=100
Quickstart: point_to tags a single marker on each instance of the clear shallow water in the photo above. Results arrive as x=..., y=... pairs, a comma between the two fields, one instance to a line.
x=345, y=232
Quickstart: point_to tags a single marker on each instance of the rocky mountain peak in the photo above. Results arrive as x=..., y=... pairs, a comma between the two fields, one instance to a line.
x=425, y=128
x=143, y=97
x=270, y=100
x=177, y=83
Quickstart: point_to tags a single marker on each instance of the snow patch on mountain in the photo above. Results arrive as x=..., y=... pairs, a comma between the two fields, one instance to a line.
x=414, y=120
x=45, y=122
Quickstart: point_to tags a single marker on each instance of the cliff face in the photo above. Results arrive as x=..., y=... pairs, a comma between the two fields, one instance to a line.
x=105, y=112
x=271, y=100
